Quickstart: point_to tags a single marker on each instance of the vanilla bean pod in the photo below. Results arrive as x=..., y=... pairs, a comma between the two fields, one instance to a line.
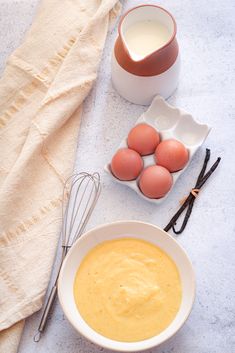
x=189, y=202
x=192, y=197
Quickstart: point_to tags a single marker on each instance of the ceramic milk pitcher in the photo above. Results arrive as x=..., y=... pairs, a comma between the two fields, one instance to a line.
x=145, y=60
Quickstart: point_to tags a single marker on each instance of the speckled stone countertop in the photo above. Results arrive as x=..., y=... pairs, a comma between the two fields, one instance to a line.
x=206, y=34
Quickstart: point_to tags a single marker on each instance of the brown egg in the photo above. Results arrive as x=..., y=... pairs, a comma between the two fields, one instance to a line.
x=172, y=155
x=155, y=182
x=144, y=139
x=126, y=164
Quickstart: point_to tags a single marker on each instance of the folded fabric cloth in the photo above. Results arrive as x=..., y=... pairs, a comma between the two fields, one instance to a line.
x=41, y=94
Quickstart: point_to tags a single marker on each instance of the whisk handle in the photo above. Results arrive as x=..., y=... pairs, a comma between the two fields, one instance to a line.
x=46, y=312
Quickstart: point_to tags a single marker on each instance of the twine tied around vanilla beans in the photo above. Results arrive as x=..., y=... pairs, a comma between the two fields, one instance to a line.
x=194, y=192
x=188, y=202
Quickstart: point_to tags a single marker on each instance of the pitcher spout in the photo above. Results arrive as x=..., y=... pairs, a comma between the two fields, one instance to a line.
x=146, y=44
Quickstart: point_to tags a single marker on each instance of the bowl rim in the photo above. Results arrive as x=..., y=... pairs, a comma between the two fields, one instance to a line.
x=128, y=347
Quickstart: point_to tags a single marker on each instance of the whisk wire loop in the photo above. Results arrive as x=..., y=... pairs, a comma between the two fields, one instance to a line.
x=80, y=194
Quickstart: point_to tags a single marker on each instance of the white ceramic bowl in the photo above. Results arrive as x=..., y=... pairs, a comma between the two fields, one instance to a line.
x=115, y=230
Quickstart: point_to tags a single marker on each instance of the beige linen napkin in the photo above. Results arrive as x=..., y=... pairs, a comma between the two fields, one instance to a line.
x=41, y=94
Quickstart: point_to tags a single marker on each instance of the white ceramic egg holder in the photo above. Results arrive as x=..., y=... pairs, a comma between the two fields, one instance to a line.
x=170, y=122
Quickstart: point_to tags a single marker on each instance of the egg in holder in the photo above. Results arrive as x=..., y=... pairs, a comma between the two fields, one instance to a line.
x=174, y=127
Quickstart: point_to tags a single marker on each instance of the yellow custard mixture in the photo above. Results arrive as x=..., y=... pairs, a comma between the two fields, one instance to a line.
x=127, y=289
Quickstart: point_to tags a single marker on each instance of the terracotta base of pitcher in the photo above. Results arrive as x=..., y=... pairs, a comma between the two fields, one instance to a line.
x=142, y=89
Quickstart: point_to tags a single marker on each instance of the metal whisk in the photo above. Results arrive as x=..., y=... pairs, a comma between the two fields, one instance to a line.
x=84, y=192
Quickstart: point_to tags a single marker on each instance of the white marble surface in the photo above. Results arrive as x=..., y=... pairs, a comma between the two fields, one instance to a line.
x=206, y=36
